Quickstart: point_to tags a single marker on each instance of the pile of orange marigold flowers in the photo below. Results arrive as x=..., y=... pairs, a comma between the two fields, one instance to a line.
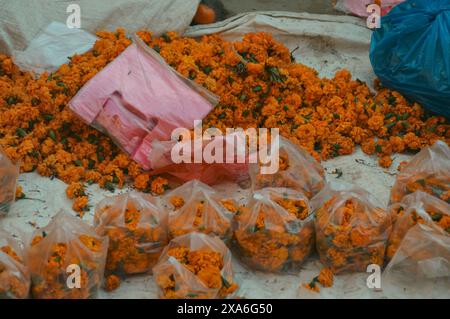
x=259, y=85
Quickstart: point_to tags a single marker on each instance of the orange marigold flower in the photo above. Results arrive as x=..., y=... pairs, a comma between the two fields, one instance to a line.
x=397, y=144
x=112, y=282
x=19, y=192
x=255, y=68
x=141, y=181
x=326, y=277
x=385, y=161
x=159, y=185
x=368, y=146
x=80, y=204
x=412, y=141
x=376, y=122
x=75, y=190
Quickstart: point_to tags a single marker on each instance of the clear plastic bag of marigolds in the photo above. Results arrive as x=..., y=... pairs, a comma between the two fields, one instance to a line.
x=351, y=227
x=9, y=173
x=14, y=274
x=420, y=266
x=275, y=230
x=416, y=208
x=66, y=259
x=428, y=171
x=227, y=166
x=297, y=170
x=137, y=229
x=195, y=266
x=196, y=207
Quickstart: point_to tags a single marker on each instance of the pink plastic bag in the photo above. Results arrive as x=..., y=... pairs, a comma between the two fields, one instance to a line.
x=138, y=99
x=359, y=7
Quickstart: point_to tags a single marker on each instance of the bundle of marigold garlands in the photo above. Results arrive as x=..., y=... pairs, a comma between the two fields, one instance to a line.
x=259, y=85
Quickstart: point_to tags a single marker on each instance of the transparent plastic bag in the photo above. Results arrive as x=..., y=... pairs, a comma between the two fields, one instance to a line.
x=137, y=229
x=50, y=49
x=359, y=7
x=275, y=230
x=8, y=180
x=14, y=274
x=428, y=171
x=297, y=170
x=209, y=173
x=138, y=99
x=416, y=208
x=421, y=265
x=195, y=266
x=196, y=207
x=61, y=249
x=351, y=228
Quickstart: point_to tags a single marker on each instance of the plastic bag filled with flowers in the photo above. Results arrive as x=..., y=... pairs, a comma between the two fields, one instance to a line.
x=14, y=274
x=428, y=171
x=297, y=170
x=275, y=230
x=67, y=259
x=137, y=229
x=196, y=207
x=195, y=266
x=351, y=228
x=224, y=166
x=9, y=174
x=421, y=265
x=138, y=99
x=416, y=208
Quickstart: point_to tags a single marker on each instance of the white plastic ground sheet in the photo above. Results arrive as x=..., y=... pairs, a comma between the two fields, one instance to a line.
x=327, y=43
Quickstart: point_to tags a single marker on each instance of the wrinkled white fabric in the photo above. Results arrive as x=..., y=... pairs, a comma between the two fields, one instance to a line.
x=22, y=20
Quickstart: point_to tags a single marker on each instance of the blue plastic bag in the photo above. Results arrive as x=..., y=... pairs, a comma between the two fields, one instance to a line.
x=410, y=53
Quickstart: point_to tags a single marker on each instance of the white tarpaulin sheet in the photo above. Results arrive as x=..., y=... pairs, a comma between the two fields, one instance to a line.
x=22, y=20
x=327, y=43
